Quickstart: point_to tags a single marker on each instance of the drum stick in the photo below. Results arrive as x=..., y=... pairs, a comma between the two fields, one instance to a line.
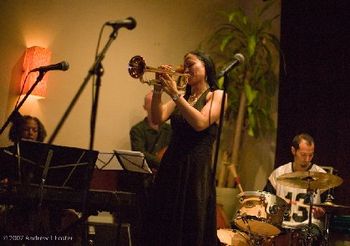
x=232, y=168
x=291, y=202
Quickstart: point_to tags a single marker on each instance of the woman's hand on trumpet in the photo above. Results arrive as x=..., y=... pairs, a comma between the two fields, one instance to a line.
x=167, y=81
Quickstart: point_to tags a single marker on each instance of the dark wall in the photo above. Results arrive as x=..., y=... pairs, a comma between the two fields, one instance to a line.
x=314, y=94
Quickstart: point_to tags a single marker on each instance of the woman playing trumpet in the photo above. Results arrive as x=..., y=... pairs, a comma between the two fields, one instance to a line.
x=182, y=210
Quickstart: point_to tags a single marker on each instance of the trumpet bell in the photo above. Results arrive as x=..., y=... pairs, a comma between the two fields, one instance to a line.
x=137, y=67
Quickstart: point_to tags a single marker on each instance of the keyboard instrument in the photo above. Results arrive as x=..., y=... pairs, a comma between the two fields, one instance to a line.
x=64, y=197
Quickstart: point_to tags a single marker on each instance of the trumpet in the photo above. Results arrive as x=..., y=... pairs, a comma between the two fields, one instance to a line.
x=137, y=67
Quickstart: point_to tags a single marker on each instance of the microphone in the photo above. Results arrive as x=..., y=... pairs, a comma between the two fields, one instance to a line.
x=239, y=59
x=129, y=23
x=59, y=66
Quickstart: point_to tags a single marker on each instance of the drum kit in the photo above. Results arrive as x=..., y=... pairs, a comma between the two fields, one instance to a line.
x=258, y=220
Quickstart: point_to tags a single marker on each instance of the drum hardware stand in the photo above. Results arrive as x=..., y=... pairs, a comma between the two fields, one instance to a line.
x=244, y=219
x=310, y=194
x=255, y=239
x=328, y=216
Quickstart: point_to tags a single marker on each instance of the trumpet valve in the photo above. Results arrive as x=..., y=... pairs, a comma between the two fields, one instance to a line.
x=180, y=69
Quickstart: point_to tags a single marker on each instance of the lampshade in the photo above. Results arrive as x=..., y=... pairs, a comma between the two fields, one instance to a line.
x=35, y=57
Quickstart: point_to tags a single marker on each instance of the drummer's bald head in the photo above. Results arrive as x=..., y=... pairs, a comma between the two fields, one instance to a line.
x=303, y=136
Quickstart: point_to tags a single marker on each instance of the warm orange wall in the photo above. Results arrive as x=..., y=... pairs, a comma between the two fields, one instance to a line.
x=165, y=30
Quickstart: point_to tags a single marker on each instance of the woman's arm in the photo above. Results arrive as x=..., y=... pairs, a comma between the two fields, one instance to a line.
x=160, y=111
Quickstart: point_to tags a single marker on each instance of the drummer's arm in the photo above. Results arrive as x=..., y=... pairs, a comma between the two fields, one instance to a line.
x=319, y=212
x=324, y=194
x=269, y=188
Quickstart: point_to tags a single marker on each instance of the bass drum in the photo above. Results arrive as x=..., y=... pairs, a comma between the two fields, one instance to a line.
x=260, y=213
x=231, y=237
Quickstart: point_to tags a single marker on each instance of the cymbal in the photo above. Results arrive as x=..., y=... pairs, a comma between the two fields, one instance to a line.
x=310, y=180
x=333, y=208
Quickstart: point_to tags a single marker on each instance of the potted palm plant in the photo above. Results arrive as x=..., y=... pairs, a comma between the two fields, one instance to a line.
x=253, y=84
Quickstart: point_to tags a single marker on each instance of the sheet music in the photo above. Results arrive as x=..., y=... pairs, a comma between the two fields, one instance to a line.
x=133, y=161
x=108, y=161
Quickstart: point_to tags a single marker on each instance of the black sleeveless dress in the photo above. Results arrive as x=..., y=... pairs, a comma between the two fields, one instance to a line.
x=183, y=202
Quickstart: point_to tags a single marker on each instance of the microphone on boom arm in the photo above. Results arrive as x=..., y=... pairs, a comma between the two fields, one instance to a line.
x=129, y=23
x=63, y=66
x=238, y=59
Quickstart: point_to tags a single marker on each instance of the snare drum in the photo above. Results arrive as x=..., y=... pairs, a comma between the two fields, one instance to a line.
x=260, y=213
x=233, y=237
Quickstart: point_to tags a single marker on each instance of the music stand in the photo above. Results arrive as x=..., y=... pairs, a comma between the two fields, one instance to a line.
x=64, y=166
x=132, y=161
x=43, y=164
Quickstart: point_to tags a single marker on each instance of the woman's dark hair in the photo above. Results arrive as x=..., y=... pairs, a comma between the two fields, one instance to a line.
x=17, y=127
x=209, y=70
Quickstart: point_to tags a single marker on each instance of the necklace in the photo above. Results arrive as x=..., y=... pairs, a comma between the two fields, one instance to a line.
x=194, y=98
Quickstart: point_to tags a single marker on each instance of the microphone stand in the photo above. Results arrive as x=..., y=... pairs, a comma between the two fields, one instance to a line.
x=15, y=115
x=218, y=138
x=95, y=69
x=15, y=112
x=238, y=59
x=99, y=72
x=91, y=72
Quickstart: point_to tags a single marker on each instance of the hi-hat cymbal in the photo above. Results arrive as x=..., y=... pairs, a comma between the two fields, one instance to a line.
x=310, y=180
x=333, y=208
x=331, y=205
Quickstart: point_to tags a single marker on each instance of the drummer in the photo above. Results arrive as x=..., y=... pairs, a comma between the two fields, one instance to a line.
x=302, y=149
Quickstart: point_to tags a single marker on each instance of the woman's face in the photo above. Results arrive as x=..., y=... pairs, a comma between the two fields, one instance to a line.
x=30, y=130
x=194, y=67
